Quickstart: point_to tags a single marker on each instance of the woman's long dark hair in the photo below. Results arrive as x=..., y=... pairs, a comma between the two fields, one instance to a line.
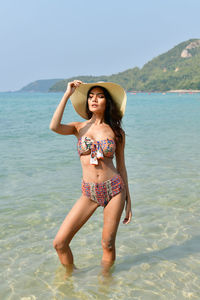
x=112, y=114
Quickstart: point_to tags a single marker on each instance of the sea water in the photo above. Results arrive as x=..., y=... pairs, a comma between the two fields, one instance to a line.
x=158, y=253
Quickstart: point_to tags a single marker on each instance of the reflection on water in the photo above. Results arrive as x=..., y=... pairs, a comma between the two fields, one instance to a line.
x=173, y=252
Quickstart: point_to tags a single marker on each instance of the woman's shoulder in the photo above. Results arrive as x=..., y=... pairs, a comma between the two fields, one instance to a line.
x=122, y=132
x=120, y=139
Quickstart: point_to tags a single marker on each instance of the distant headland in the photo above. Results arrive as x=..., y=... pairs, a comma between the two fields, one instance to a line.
x=177, y=70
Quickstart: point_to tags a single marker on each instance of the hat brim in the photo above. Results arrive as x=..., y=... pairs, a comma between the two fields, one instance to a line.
x=79, y=97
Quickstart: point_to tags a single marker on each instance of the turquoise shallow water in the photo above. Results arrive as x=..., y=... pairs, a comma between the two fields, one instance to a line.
x=158, y=254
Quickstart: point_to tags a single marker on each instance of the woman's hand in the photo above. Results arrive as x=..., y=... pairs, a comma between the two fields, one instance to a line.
x=128, y=216
x=72, y=86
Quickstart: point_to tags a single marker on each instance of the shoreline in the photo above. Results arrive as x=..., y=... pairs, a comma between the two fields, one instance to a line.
x=164, y=92
x=131, y=92
x=183, y=91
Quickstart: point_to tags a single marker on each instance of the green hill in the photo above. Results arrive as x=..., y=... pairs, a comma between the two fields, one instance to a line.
x=126, y=79
x=42, y=86
x=178, y=68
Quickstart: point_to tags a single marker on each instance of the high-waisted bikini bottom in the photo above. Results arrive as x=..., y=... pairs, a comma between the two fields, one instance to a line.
x=102, y=192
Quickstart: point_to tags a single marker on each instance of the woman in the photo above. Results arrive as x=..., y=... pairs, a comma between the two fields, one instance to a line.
x=103, y=184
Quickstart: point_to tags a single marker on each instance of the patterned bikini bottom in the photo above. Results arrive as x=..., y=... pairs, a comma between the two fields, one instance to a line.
x=102, y=192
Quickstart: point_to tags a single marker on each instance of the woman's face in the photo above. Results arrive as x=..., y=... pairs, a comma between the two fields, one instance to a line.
x=97, y=100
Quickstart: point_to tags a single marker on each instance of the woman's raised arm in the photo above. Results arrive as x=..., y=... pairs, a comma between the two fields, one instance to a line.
x=55, y=124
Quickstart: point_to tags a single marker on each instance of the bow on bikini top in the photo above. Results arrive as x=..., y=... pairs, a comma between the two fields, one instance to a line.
x=97, y=149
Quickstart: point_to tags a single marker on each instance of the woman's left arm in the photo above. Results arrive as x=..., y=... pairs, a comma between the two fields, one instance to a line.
x=121, y=168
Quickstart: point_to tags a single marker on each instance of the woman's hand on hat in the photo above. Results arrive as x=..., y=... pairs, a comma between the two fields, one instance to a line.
x=71, y=86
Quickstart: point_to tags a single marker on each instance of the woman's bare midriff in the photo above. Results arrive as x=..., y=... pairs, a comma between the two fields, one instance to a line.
x=97, y=173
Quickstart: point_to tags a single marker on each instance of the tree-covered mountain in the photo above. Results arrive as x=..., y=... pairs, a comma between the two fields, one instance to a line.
x=178, y=68
x=42, y=85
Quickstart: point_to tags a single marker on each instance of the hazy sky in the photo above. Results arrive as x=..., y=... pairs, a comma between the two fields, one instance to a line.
x=44, y=39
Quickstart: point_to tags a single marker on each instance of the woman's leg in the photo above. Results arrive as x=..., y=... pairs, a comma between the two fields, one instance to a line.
x=79, y=214
x=112, y=215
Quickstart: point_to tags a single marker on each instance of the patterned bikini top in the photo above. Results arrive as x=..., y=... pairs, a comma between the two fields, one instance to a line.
x=97, y=149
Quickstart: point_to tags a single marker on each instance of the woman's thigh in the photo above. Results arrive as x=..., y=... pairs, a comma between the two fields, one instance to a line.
x=112, y=215
x=76, y=218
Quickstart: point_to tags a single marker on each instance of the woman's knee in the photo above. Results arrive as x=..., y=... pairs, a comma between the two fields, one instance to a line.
x=108, y=244
x=59, y=244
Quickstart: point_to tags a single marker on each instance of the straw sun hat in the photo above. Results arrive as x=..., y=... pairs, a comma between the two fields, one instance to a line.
x=79, y=97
